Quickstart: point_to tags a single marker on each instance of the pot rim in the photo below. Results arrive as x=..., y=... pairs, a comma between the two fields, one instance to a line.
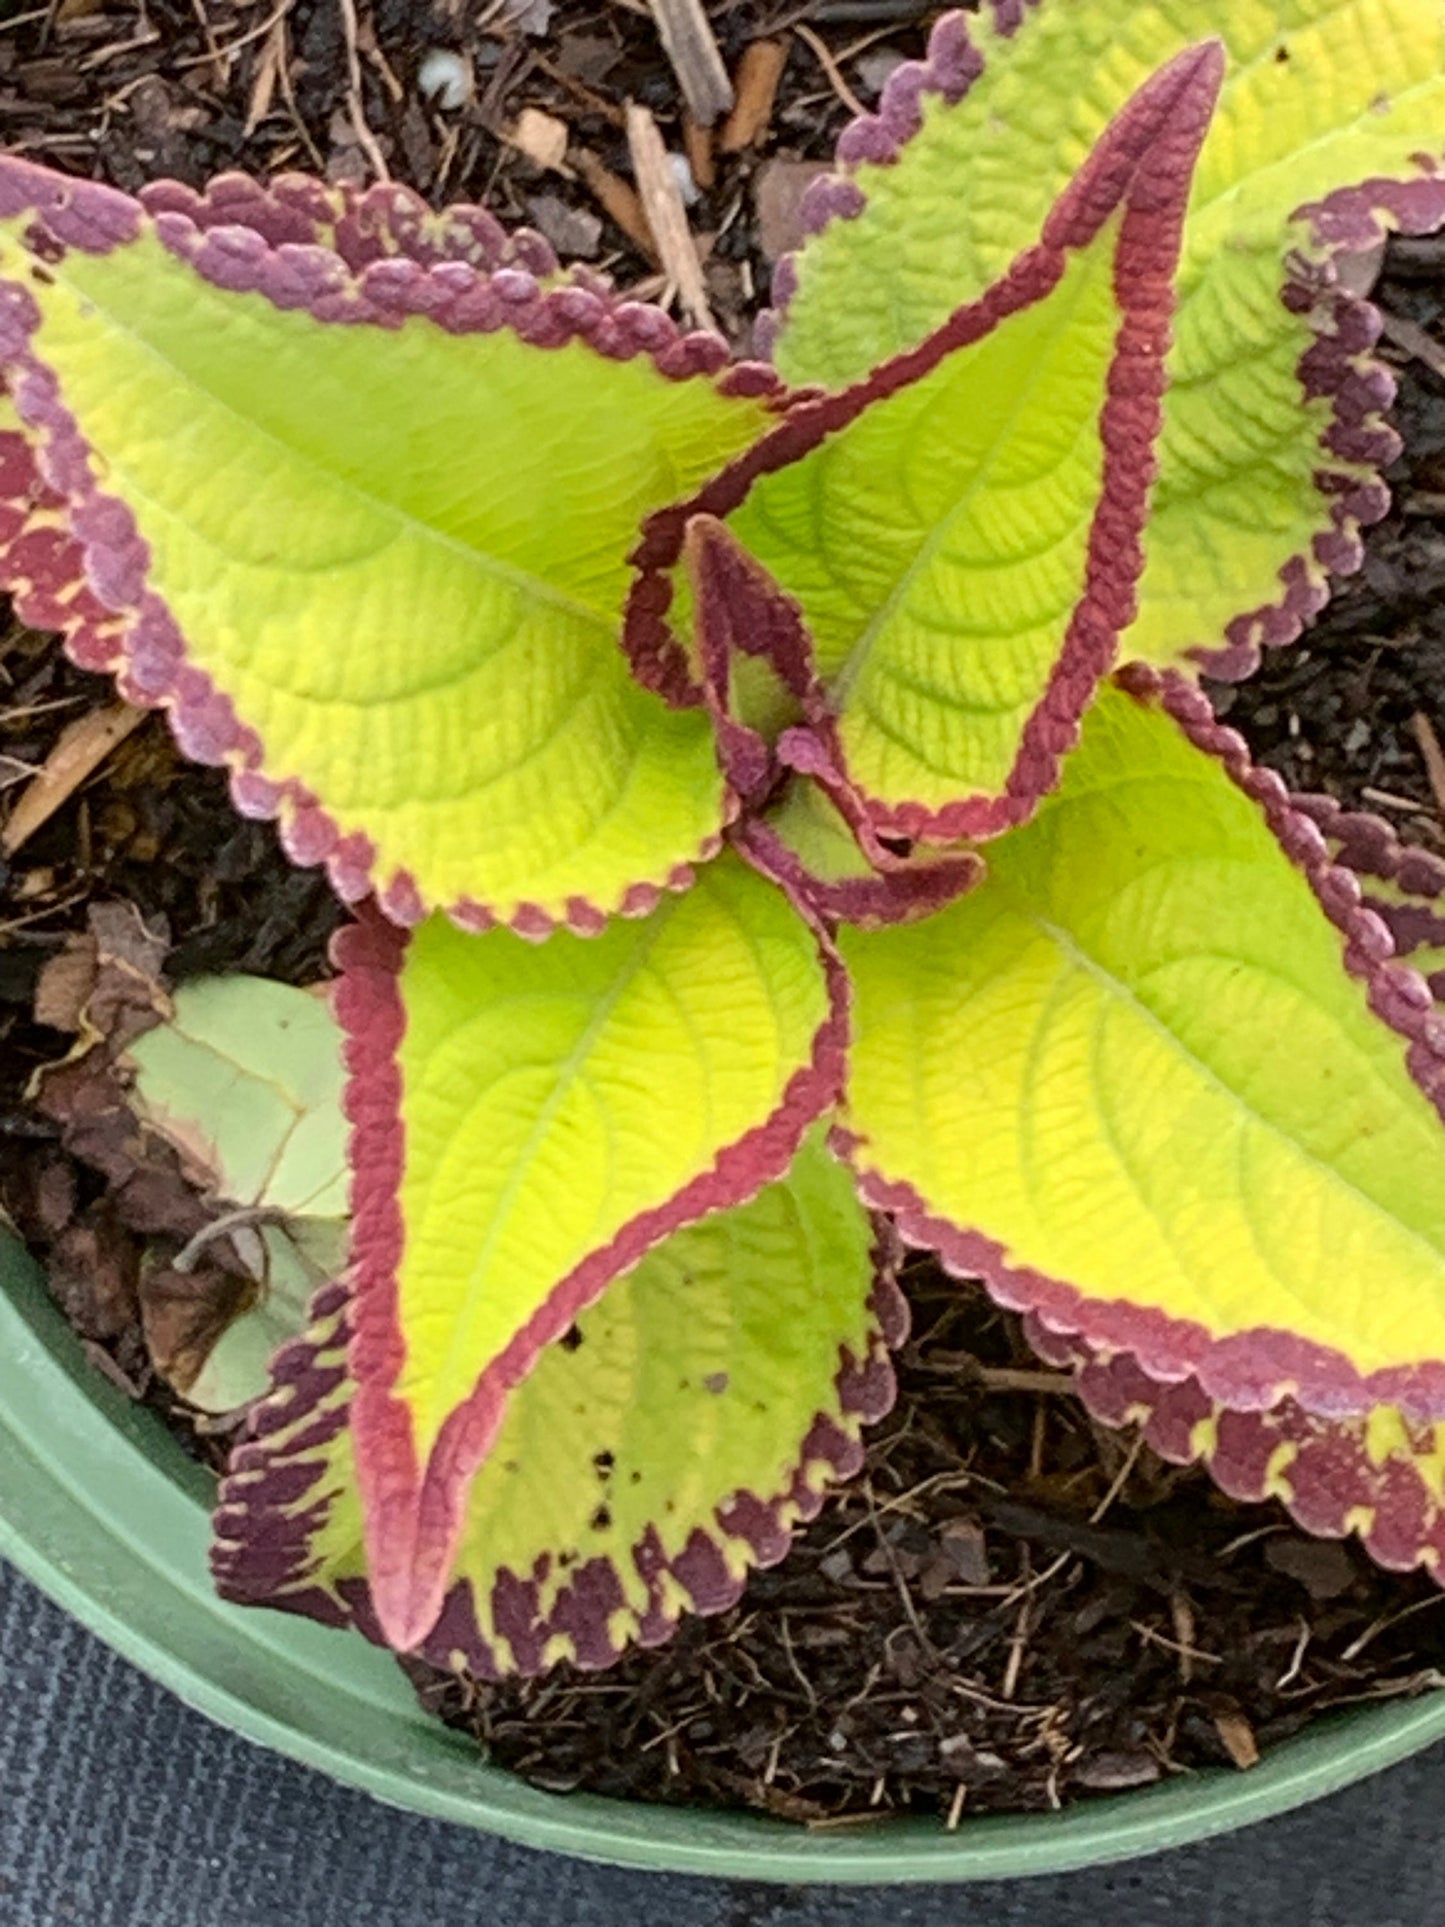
x=127, y=1557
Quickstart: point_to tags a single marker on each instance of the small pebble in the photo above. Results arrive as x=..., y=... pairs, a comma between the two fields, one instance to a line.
x=876, y=68
x=682, y=174
x=445, y=79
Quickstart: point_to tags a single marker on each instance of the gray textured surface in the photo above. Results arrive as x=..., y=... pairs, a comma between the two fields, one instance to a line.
x=121, y=1808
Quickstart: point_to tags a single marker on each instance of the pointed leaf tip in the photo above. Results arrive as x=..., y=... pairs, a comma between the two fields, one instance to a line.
x=527, y=1125
x=702, y=1408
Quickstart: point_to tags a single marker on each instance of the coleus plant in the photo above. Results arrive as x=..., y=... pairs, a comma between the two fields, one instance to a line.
x=779, y=804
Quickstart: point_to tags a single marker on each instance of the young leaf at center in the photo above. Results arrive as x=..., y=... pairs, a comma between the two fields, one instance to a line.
x=962, y=530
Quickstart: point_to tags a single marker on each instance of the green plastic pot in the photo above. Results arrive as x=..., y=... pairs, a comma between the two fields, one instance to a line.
x=101, y=1509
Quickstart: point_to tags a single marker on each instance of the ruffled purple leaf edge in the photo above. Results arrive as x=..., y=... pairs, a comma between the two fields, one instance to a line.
x=71, y=554
x=1339, y=367
x=1252, y=1370
x=274, y=1501
x=1321, y=1469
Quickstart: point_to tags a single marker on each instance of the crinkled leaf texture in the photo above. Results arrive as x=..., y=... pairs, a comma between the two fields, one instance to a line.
x=1335, y=107
x=961, y=531
x=528, y=1123
x=354, y=490
x=1381, y=1473
x=641, y=1471
x=1160, y=1081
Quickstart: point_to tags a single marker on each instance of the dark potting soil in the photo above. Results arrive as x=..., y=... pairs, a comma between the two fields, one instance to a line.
x=1011, y=1607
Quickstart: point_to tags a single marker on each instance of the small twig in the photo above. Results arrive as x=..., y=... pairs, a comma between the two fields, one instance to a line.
x=1182, y=1613
x=687, y=39
x=1424, y=733
x=1121, y=1479
x=666, y=215
x=103, y=54
x=1297, y=1659
x=1018, y=1640
x=219, y=74
x=1185, y=1653
x=1373, y=1631
x=1410, y=336
x=1001, y=1378
x=268, y=70
x=697, y=144
x=616, y=199
x=224, y=51
x=288, y=92
x=831, y=68
x=365, y=139
x=1387, y=800
x=896, y=1570
x=78, y=752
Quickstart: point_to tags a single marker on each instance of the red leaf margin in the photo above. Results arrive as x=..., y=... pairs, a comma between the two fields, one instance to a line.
x=414, y=1512
x=1340, y=366
x=1144, y=163
x=271, y=1504
x=1329, y=1481
x=374, y=258
x=1248, y=1371
x=741, y=611
x=1414, y=909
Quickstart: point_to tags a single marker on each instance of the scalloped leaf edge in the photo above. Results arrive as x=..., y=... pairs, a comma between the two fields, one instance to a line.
x=1340, y=366
x=264, y=1525
x=1252, y=1370
x=463, y=273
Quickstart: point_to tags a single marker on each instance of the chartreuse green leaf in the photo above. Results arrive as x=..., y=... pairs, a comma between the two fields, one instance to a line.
x=376, y=562
x=642, y=1469
x=939, y=547
x=953, y=178
x=1129, y=1080
x=530, y=1122
x=961, y=531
